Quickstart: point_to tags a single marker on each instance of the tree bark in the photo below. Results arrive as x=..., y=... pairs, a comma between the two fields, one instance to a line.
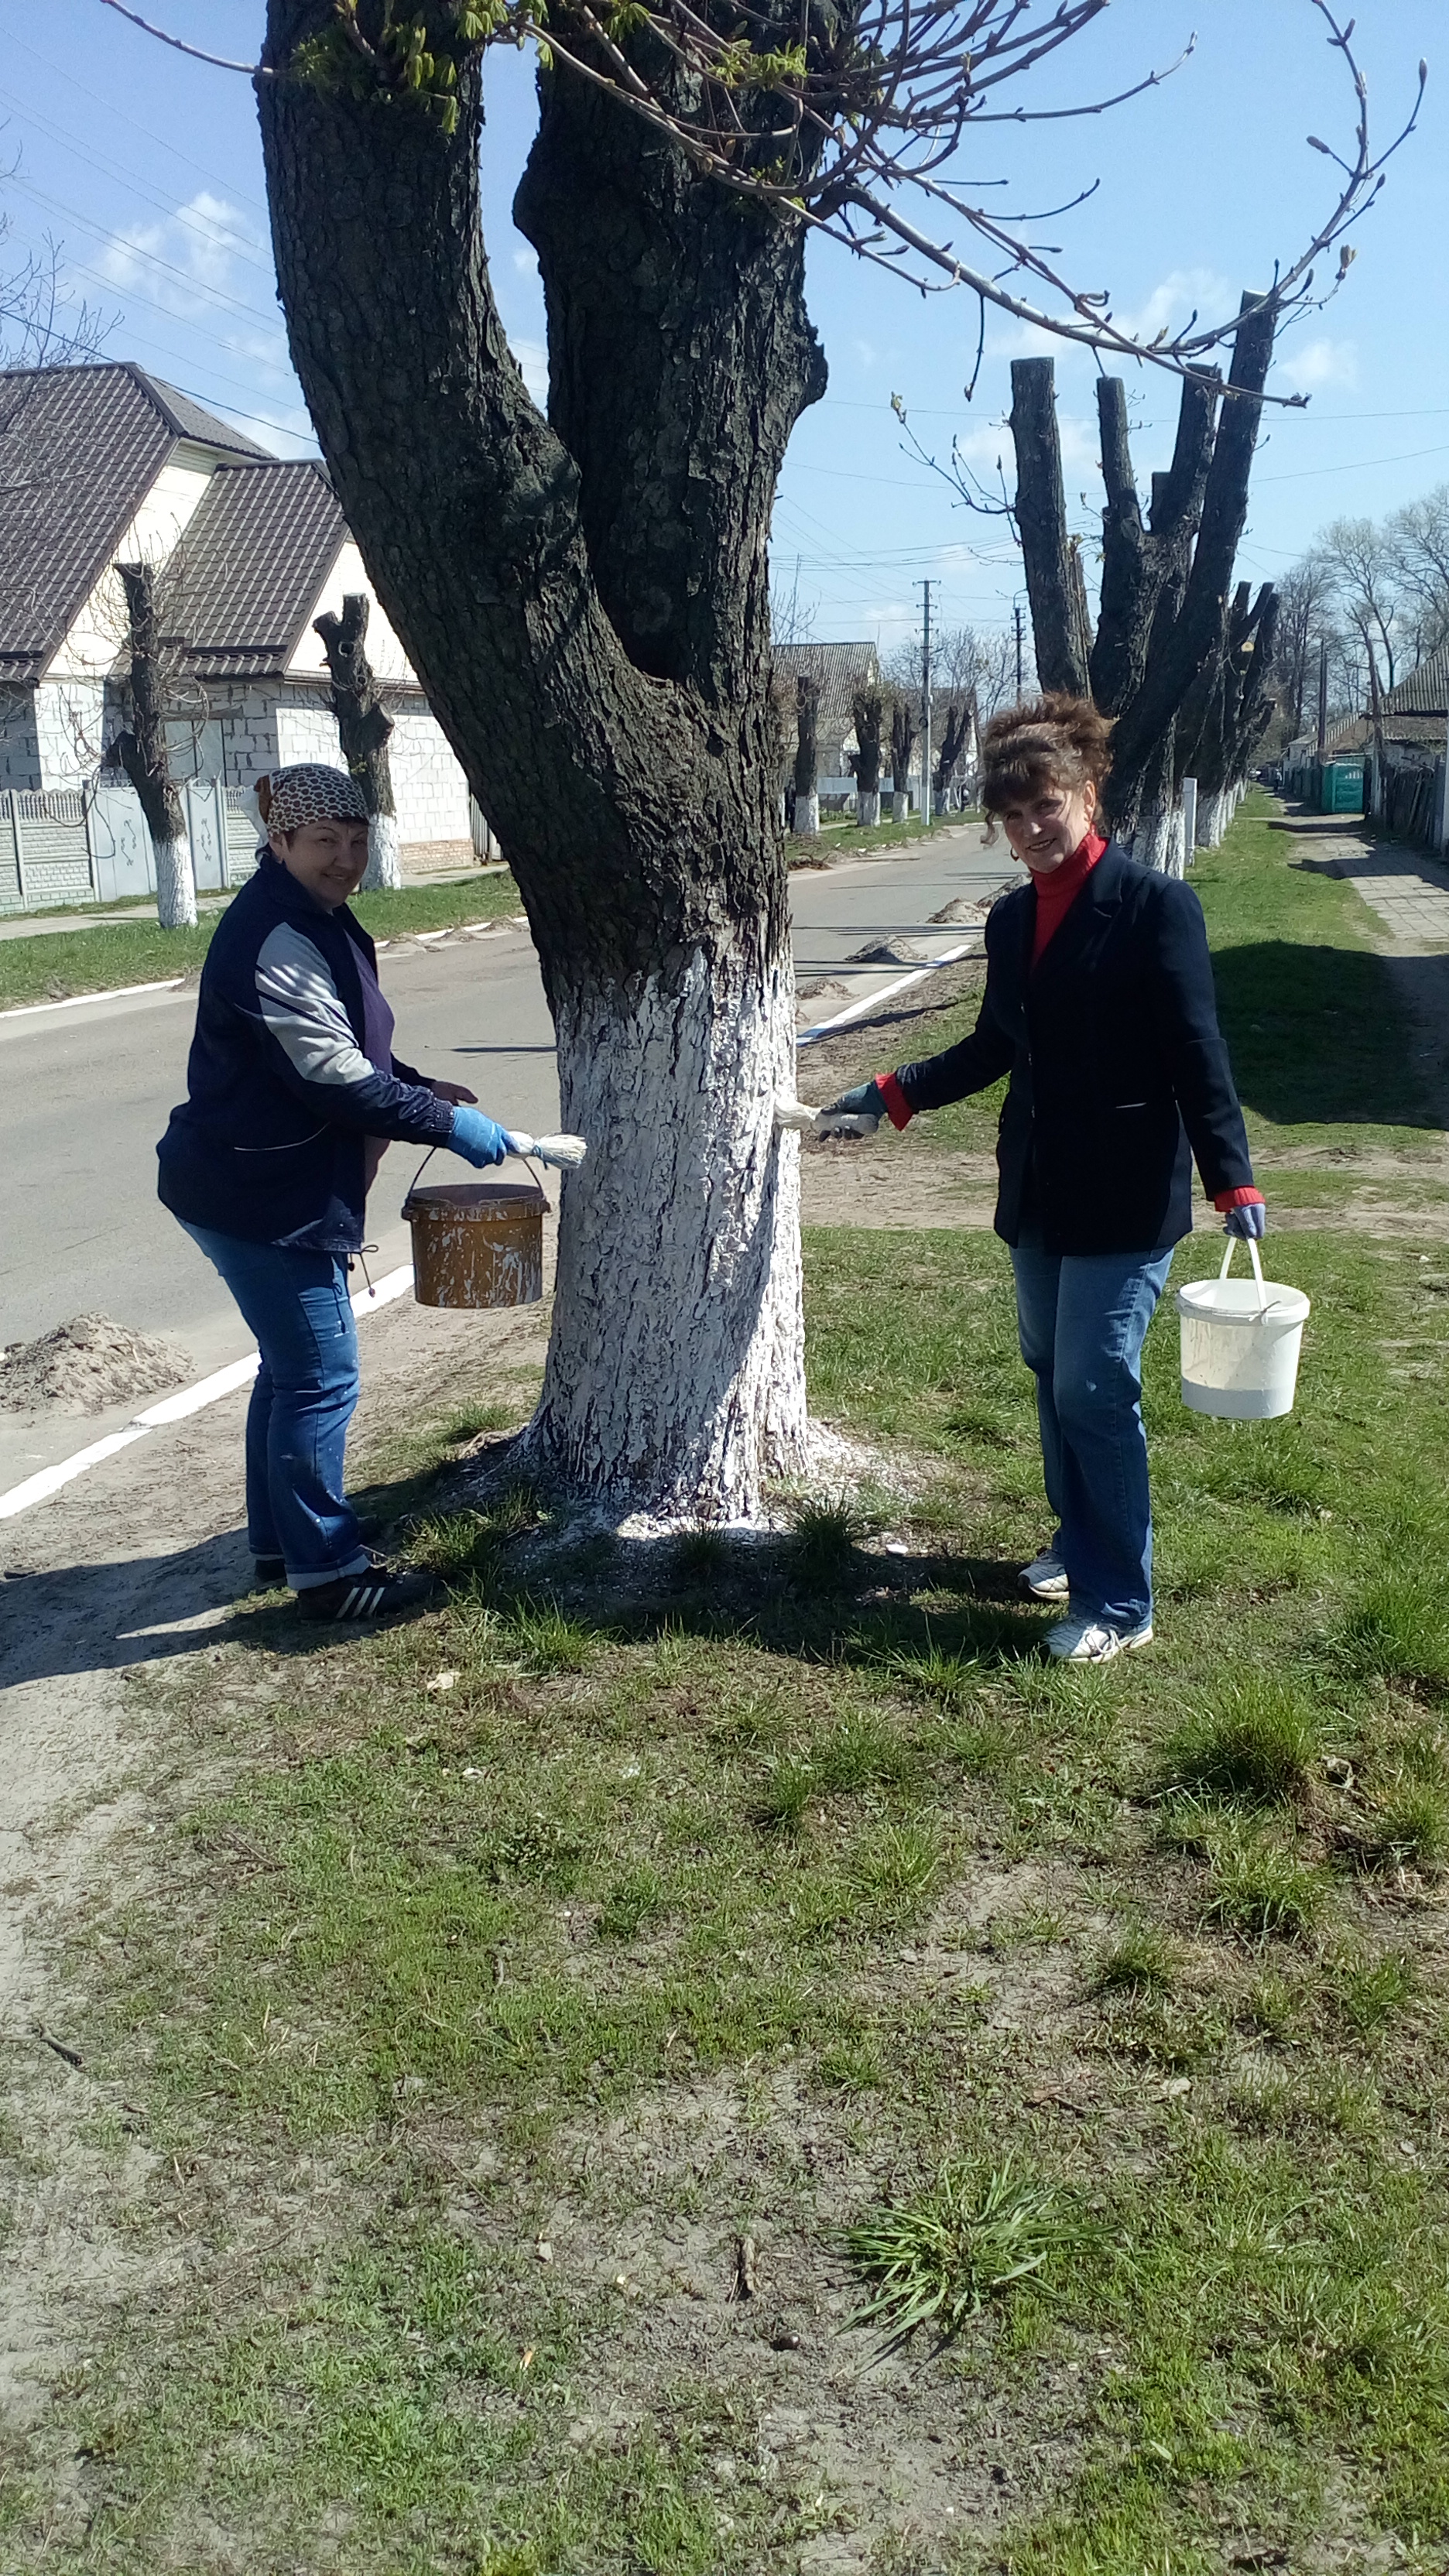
x=364, y=728
x=142, y=751
x=867, y=715
x=584, y=600
x=1188, y=633
x=807, y=757
x=903, y=740
x=1055, y=587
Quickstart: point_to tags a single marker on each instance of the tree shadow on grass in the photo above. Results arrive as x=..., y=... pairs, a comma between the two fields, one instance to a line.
x=1323, y=1035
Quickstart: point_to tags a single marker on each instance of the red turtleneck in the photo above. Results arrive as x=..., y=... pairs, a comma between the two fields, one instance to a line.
x=1056, y=893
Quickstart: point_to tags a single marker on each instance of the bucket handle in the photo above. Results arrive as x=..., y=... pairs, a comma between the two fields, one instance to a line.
x=432, y=1149
x=1233, y=1241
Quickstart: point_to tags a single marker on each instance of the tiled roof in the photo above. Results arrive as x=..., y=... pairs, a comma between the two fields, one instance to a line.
x=838, y=670
x=257, y=554
x=1425, y=692
x=79, y=449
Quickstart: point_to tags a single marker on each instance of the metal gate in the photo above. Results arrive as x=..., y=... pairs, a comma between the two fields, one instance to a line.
x=120, y=842
x=206, y=830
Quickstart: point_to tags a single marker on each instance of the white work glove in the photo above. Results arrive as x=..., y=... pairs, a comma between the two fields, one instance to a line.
x=562, y=1153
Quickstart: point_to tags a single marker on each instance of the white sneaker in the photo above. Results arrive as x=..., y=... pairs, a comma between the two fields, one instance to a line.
x=1087, y=1641
x=1045, y=1579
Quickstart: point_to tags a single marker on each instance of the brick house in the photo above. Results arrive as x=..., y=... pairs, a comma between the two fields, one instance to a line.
x=105, y=464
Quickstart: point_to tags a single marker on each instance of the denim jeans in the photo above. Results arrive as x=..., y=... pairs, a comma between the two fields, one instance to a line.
x=1083, y=1318
x=305, y=1395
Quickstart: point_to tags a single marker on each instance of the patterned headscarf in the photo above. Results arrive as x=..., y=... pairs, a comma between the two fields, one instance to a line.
x=309, y=792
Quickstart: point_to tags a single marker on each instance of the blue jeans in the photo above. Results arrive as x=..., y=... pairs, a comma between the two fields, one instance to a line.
x=1083, y=1318
x=305, y=1395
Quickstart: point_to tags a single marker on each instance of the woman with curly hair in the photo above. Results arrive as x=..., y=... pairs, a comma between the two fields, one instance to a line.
x=1099, y=1003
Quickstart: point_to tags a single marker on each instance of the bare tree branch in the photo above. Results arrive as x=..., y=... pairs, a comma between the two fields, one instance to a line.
x=828, y=117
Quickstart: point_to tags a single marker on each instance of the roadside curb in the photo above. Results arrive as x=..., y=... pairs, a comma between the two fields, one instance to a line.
x=176, y=1408
x=73, y=1001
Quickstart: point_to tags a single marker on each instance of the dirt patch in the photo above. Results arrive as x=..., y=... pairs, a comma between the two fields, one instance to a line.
x=849, y=1183
x=87, y=1365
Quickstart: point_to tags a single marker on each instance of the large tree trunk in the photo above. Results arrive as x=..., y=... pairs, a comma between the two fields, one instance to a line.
x=1055, y=585
x=1190, y=622
x=681, y=1378
x=585, y=602
x=364, y=728
x=143, y=754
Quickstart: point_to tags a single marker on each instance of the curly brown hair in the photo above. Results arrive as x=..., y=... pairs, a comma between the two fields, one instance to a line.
x=1052, y=741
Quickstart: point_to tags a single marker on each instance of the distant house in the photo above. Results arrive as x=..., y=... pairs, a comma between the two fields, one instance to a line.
x=106, y=464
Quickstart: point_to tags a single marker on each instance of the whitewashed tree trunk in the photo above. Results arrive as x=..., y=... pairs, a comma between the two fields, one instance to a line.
x=900, y=805
x=676, y=1368
x=867, y=806
x=175, y=885
x=807, y=817
x=1157, y=841
x=384, y=854
x=1212, y=820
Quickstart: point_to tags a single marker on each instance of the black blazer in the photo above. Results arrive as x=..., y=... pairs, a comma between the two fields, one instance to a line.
x=1117, y=1065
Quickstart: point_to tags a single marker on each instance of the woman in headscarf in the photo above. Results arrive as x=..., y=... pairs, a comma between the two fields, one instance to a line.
x=1099, y=1003
x=293, y=1093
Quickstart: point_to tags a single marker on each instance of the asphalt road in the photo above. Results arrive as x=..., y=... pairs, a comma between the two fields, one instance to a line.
x=86, y=1091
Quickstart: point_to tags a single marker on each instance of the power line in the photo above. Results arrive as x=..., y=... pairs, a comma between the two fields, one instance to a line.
x=235, y=243
x=187, y=277
x=18, y=44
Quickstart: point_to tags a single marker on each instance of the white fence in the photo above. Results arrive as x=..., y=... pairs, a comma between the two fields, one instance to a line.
x=66, y=847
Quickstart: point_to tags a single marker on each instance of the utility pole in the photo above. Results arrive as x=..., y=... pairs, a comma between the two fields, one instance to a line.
x=926, y=708
x=1322, y=698
x=1016, y=613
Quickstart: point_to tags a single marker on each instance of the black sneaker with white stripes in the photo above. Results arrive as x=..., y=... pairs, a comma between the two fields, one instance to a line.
x=271, y=1571
x=375, y=1593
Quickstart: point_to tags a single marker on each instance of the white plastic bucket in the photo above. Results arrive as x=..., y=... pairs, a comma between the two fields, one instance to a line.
x=1240, y=1343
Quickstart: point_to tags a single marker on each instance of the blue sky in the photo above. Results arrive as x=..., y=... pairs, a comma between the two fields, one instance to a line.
x=146, y=170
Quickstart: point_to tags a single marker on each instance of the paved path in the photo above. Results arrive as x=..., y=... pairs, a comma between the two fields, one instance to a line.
x=1407, y=888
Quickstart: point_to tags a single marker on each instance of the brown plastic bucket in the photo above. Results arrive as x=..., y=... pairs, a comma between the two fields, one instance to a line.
x=477, y=1243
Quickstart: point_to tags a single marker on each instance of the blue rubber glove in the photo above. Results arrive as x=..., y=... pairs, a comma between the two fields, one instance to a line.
x=478, y=1139
x=1249, y=1223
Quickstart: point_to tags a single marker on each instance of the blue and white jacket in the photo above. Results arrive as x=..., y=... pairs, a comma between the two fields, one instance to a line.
x=283, y=1087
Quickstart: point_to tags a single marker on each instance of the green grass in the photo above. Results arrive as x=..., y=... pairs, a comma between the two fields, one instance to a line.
x=836, y=838
x=57, y=963
x=647, y=1903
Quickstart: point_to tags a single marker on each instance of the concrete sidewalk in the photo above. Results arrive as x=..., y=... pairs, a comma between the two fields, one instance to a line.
x=1407, y=888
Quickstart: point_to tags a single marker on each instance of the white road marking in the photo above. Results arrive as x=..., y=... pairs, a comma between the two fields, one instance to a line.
x=872, y=1001
x=73, y=1001
x=176, y=1408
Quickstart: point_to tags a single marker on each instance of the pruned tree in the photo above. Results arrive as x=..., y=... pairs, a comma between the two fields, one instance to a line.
x=584, y=597
x=1166, y=577
x=903, y=744
x=1224, y=721
x=141, y=747
x=364, y=729
x=955, y=734
x=807, y=756
x=867, y=714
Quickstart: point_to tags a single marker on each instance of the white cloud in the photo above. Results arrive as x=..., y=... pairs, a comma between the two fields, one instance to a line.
x=1308, y=365
x=526, y=262
x=209, y=265
x=192, y=259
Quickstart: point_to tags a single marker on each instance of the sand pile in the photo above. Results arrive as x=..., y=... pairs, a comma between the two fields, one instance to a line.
x=86, y=1365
